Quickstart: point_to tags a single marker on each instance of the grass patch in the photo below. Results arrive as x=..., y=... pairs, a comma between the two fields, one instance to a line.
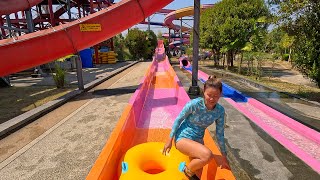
x=18, y=100
x=307, y=92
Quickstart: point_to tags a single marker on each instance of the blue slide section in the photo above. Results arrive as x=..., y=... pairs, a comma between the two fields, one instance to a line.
x=227, y=91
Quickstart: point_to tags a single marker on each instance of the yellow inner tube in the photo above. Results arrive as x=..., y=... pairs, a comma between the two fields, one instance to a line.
x=146, y=161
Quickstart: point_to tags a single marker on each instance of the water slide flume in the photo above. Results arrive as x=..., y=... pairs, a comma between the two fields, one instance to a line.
x=177, y=14
x=149, y=117
x=12, y=6
x=301, y=140
x=47, y=45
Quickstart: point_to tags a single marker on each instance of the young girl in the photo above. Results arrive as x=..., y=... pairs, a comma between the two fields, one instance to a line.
x=189, y=127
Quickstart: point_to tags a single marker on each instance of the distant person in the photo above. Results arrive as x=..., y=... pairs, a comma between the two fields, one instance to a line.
x=189, y=127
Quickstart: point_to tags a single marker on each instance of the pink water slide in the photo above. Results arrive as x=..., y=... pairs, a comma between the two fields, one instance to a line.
x=301, y=140
x=30, y=50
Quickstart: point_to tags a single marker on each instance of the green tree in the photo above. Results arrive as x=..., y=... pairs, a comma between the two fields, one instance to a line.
x=273, y=40
x=152, y=43
x=119, y=45
x=230, y=24
x=286, y=43
x=300, y=18
x=136, y=42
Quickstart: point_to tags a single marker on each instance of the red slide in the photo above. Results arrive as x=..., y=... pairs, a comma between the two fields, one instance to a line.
x=30, y=50
x=12, y=6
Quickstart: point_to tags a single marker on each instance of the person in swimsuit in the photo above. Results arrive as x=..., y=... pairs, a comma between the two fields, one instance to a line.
x=190, y=125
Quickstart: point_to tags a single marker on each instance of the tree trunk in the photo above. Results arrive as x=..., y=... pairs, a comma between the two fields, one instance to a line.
x=224, y=59
x=240, y=63
x=233, y=55
x=229, y=54
x=289, y=59
x=251, y=69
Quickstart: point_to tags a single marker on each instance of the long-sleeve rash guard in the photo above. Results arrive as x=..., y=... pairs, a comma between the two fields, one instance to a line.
x=195, y=118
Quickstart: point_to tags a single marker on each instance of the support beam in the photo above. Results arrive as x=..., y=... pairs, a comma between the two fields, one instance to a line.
x=69, y=10
x=2, y=32
x=79, y=72
x=51, y=13
x=17, y=17
x=194, y=89
x=15, y=29
x=83, y=11
x=8, y=20
x=149, y=23
x=169, y=41
x=29, y=21
x=91, y=7
x=30, y=26
x=79, y=11
x=112, y=44
x=96, y=54
x=181, y=39
x=41, y=25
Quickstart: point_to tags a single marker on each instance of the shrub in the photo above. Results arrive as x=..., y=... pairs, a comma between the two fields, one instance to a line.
x=285, y=57
x=59, y=76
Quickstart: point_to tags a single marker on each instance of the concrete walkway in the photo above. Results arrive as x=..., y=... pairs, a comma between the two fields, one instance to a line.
x=89, y=75
x=70, y=147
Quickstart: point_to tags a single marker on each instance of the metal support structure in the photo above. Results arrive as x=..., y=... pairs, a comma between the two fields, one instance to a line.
x=29, y=21
x=96, y=54
x=51, y=13
x=41, y=25
x=91, y=7
x=22, y=14
x=9, y=24
x=17, y=17
x=181, y=40
x=149, y=23
x=79, y=11
x=194, y=89
x=69, y=10
x=169, y=41
x=30, y=26
x=83, y=11
x=15, y=29
x=6, y=78
x=2, y=32
x=79, y=72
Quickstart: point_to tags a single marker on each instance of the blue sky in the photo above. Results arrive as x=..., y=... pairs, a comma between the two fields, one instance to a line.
x=177, y=4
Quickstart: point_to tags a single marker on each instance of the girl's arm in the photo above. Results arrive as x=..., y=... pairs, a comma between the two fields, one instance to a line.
x=186, y=111
x=220, y=133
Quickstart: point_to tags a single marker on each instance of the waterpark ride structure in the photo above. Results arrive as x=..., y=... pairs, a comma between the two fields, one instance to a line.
x=149, y=117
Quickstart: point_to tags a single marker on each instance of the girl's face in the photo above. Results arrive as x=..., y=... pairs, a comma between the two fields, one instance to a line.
x=211, y=96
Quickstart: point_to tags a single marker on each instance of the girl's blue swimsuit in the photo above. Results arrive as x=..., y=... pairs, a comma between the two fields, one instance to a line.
x=195, y=118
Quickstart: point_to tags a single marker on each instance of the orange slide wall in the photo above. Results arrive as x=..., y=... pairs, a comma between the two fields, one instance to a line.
x=127, y=133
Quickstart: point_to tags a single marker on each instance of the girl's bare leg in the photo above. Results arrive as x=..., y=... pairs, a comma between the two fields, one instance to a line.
x=199, y=153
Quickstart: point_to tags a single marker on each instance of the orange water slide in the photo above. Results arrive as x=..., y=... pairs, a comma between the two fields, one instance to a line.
x=30, y=50
x=146, y=120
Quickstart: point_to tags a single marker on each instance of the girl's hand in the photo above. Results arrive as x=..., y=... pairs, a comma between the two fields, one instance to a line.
x=225, y=163
x=167, y=147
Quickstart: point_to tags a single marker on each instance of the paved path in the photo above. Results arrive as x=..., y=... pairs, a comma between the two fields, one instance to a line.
x=89, y=74
x=69, y=148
